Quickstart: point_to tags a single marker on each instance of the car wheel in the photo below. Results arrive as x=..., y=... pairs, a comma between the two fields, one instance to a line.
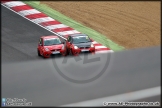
x=38, y=53
x=64, y=53
x=46, y=56
x=67, y=51
x=92, y=53
x=76, y=54
x=70, y=53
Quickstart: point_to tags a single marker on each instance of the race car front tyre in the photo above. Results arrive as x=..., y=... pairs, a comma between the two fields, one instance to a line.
x=70, y=52
x=38, y=53
x=67, y=51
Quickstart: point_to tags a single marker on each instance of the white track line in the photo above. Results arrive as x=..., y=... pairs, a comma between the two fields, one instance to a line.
x=14, y=3
x=68, y=32
x=131, y=96
x=34, y=22
x=41, y=20
x=104, y=51
x=51, y=27
x=98, y=47
x=29, y=12
x=94, y=42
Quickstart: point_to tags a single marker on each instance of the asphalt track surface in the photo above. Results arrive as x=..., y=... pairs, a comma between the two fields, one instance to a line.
x=25, y=75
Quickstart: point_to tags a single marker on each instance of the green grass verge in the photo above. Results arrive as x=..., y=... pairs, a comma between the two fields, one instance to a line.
x=77, y=26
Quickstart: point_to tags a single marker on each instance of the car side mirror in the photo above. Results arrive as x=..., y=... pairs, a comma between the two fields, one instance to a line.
x=63, y=42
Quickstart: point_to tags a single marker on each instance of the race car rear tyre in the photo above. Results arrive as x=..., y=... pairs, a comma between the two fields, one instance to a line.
x=38, y=53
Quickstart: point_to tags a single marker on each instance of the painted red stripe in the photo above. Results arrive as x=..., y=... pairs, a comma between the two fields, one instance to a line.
x=34, y=16
x=102, y=49
x=62, y=29
x=6, y=1
x=50, y=23
x=98, y=44
x=21, y=8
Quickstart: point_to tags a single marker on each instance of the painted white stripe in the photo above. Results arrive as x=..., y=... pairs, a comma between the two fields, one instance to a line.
x=29, y=12
x=121, y=97
x=44, y=19
x=98, y=47
x=51, y=27
x=104, y=51
x=34, y=22
x=68, y=32
x=14, y=3
x=94, y=42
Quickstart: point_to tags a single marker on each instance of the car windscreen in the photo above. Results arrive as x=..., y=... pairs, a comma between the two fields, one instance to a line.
x=81, y=39
x=52, y=41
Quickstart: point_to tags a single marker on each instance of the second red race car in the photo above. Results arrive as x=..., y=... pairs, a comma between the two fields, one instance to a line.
x=78, y=43
x=50, y=45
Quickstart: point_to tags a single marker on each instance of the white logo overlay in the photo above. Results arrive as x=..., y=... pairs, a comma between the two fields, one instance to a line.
x=84, y=68
x=15, y=102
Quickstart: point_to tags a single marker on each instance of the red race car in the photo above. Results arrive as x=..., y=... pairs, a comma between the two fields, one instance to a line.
x=77, y=43
x=49, y=45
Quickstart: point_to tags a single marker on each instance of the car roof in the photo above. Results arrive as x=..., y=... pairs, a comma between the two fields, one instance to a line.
x=48, y=37
x=78, y=35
